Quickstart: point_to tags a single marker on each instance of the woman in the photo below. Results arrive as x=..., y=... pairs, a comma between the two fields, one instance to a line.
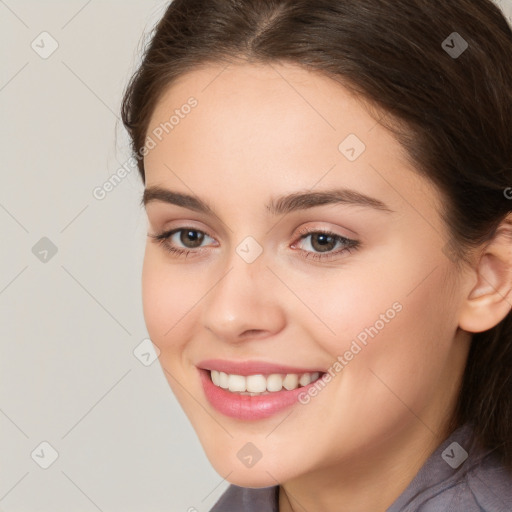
x=328, y=270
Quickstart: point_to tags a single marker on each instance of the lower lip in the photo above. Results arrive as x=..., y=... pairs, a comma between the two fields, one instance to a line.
x=246, y=407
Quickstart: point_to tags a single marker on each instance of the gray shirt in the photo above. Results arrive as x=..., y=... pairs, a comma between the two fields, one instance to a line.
x=458, y=477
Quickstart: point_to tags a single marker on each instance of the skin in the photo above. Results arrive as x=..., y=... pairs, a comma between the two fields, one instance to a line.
x=259, y=132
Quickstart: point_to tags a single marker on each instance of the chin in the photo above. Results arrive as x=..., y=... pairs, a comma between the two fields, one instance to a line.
x=247, y=478
x=261, y=474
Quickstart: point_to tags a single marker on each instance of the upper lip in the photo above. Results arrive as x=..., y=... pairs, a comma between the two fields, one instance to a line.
x=252, y=367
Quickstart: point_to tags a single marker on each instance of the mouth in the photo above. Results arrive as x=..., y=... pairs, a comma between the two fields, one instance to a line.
x=260, y=384
x=245, y=395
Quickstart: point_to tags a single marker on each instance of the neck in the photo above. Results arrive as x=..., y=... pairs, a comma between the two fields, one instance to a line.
x=367, y=482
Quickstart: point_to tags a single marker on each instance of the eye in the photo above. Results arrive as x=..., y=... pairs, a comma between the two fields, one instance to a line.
x=190, y=237
x=323, y=244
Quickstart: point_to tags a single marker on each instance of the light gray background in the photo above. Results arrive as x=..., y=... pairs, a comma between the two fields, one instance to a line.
x=70, y=324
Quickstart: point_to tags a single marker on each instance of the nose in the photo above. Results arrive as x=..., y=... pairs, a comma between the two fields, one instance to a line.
x=244, y=302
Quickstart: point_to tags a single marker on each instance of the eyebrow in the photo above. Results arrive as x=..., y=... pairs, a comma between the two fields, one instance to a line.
x=278, y=206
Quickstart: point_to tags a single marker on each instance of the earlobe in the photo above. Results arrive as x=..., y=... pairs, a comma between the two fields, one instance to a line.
x=490, y=299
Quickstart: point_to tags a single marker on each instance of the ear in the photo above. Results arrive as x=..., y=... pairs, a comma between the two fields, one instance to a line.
x=490, y=300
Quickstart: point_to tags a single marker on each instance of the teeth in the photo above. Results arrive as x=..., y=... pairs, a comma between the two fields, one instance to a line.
x=274, y=382
x=223, y=380
x=291, y=381
x=236, y=383
x=256, y=383
x=260, y=384
x=305, y=379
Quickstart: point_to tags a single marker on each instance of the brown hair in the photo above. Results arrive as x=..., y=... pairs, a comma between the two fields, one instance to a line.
x=451, y=112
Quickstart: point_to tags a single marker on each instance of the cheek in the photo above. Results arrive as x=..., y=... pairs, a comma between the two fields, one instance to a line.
x=344, y=305
x=168, y=295
x=394, y=323
x=402, y=362
x=398, y=296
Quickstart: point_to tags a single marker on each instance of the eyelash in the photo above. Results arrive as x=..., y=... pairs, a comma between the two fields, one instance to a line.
x=350, y=244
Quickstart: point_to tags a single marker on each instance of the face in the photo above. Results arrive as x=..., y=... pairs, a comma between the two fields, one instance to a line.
x=347, y=283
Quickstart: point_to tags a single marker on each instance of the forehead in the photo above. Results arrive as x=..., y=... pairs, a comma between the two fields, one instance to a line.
x=264, y=92
x=264, y=110
x=274, y=125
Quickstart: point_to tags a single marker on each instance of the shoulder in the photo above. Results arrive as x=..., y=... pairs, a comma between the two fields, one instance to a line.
x=245, y=499
x=490, y=485
x=486, y=487
x=459, y=476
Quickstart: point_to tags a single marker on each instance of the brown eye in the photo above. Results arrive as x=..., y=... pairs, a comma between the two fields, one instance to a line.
x=191, y=238
x=323, y=242
x=322, y=245
x=183, y=241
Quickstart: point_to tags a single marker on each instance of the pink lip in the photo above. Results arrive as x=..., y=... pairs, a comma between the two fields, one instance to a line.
x=246, y=407
x=251, y=367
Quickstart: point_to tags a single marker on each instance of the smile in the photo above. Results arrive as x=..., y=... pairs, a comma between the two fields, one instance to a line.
x=254, y=391
x=255, y=385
